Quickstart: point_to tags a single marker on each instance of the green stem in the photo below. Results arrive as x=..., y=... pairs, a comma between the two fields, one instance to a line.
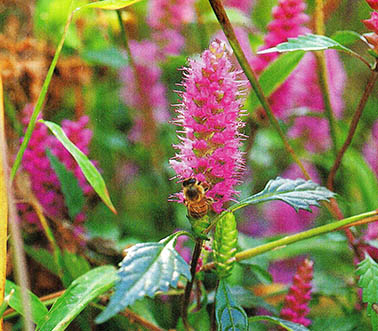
x=280, y=243
x=230, y=34
x=41, y=98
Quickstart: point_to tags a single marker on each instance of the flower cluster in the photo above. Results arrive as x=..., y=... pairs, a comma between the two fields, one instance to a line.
x=372, y=25
x=296, y=301
x=167, y=18
x=144, y=90
x=210, y=119
x=44, y=182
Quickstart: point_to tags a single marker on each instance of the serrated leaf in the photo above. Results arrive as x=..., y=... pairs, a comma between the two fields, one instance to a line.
x=229, y=315
x=308, y=42
x=346, y=37
x=72, y=192
x=110, y=4
x=38, y=309
x=298, y=193
x=89, y=170
x=274, y=75
x=78, y=295
x=287, y=325
x=368, y=272
x=146, y=269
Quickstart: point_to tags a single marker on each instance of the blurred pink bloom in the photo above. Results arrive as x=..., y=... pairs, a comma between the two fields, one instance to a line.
x=146, y=93
x=243, y=5
x=296, y=308
x=167, y=18
x=45, y=184
x=283, y=218
x=373, y=4
x=370, y=150
x=372, y=22
x=210, y=119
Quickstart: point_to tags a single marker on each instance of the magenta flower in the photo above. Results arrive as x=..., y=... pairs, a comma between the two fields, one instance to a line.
x=296, y=308
x=44, y=182
x=373, y=4
x=167, y=18
x=210, y=119
x=372, y=22
x=284, y=219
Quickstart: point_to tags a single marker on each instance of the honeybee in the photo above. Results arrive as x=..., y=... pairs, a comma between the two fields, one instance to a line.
x=195, y=198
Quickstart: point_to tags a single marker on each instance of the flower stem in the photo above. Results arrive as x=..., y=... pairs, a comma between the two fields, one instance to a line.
x=280, y=243
x=353, y=126
x=230, y=34
x=189, y=285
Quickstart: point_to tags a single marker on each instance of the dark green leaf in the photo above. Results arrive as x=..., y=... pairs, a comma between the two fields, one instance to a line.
x=308, y=42
x=89, y=170
x=110, y=4
x=229, y=315
x=274, y=75
x=38, y=309
x=263, y=275
x=368, y=272
x=73, y=194
x=80, y=293
x=346, y=37
x=43, y=257
x=298, y=193
x=146, y=269
x=287, y=325
x=111, y=57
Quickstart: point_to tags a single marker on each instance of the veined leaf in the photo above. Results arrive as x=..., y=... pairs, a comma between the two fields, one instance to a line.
x=78, y=295
x=109, y=4
x=38, y=309
x=346, y=37
x=308, y=42
x=274, y=75
x=89, y=170
x=146, y=269
x=229, y=315
x=73, y=194
x=287, y=325
x=368, y=272
x=298, y=193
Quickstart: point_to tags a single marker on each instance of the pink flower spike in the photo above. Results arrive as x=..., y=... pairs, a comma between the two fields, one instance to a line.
x=210, y=119
x=295, y=307
x=373, y=4
x=372, y=23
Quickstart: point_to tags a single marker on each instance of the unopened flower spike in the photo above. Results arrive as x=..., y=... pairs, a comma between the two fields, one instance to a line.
x=209, y=117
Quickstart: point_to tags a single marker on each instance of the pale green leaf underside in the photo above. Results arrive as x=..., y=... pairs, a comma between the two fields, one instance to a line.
x=298, y=193
x=287, y=325
x=308, y=42
x=146, y=269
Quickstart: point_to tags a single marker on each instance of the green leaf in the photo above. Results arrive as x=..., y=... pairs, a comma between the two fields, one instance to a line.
x=298, y=193
x=89, y=170
x=368, y=272
x=72, y=192
x=274, y=75
x=74, y=266
x=109, y=4
x=111, y=57
x=346, y=37
x=38, y=309
x=308, y=42
x=146, y=269
x=228, y=314
x=43, y=257
x=80, y=293
x=287, y=325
